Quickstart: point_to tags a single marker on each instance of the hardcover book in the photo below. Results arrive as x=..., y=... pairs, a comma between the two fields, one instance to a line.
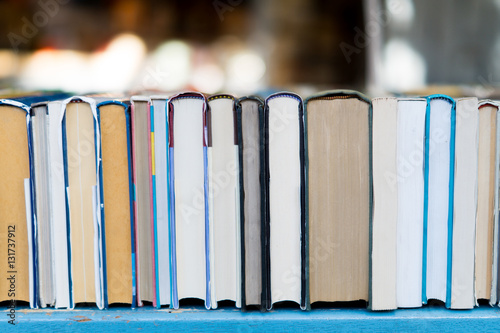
x=189, y=198
x=487, y=206
x=224, y=202
x=142, y=155
x=339, y=194
x=250, y=119
x=285, y=200
x=117, y=197
x=438, y=198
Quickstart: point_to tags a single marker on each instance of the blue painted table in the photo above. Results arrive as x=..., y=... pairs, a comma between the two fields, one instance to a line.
x=429, y=319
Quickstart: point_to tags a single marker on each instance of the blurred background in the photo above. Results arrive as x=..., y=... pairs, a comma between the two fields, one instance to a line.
x=250, y=46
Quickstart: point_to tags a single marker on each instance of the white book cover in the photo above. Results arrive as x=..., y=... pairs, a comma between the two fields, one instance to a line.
x=465, y=203
x=284, y=197
x=410, y=166
x=191, y=264
x=225, y=251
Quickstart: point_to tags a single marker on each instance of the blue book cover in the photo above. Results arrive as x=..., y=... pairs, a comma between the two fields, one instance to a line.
x=438, y=176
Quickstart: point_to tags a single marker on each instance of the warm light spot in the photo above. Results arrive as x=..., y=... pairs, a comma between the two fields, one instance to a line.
x=8, y=64
x=56, y=69
x=114, y=67
x=168, y=68
x=208, y=78
x=245, y=70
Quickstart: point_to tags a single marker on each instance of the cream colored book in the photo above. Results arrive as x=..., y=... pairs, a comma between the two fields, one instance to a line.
x=486, y=188
x=385, y=204
x=465, y=203
x=338, y=131
x=81, y=147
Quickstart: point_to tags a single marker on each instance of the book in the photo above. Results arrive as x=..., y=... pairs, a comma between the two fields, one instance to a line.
x=79, y=127
x=285, y=200
x=250, y=122
x=41, y=165
x=495, y=285
x=51, y=215
x=339, y=194
x=410, y=186
x=117, y=197
x=224, y=202
x=486, y=188
x=142, y=156
x=438, y=198
x=189, y=216
x=465, y=204
x=17, y=123
x=383, y=252
x=161, y=200
x=16, y=205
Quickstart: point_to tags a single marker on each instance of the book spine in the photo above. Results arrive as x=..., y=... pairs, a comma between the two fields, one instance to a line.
x=152, y=190
x=426, y=200
x=239, y=142
x=32, y=227
x=266, y=248
x=207, y=205
x=263, y=207
x=450, y=206
x=211, y=229
x=174, y=303
x=68, y=221
x=132, y=210
x=136, y=245
x=102, y=256
x=495, y=285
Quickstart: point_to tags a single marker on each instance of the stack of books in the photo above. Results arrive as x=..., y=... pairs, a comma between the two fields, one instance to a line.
x=151, y=200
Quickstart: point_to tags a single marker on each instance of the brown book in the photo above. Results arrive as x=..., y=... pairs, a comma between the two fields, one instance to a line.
x=339, y=195
x=116, y=185
x=15, y=218
x=485, y=198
